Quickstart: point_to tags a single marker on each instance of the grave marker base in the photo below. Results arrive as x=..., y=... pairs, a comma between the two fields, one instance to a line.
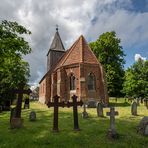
x=112, y=134
x=16, y=123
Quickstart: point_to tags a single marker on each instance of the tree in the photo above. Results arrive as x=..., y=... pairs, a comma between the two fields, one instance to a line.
x=136, y=80
x=13, y=69
x=109, y=52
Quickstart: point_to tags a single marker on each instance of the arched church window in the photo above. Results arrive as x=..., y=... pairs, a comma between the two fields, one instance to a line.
x=72, y=82
x=91, y=81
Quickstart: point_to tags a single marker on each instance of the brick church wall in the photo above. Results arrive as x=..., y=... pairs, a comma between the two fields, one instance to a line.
x=42, y=91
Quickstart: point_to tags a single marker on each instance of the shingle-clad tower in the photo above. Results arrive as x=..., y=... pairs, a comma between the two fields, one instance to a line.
x=56, y=51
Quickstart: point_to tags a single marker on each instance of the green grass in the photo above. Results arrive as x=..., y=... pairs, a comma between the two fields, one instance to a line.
x=38, y=134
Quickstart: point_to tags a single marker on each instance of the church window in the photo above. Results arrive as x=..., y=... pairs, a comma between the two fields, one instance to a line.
x=72, y=82
x=91, y=81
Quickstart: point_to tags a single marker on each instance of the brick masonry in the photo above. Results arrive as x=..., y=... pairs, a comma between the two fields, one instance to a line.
x=80, y=61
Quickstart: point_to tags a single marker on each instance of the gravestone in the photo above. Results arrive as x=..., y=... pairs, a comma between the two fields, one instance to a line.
x=112, y=134
x=75, y=105
x=116, y=99
x=143, y=126
x=91, y=104
x=17, y=121
x=32, y=116
x=56, y=104
x=27, y=103
x=138, y=101
x=146, y=102
x=12, y=114
x=134, y=108
x=99, y=109
x=146, y=130
x=14, y=121
x=141, y=100
x=84, y=113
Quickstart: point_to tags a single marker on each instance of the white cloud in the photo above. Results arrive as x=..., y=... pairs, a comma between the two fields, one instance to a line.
x=138, y=56
x=74, y=17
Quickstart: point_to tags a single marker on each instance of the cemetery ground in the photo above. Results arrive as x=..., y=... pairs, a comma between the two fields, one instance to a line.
x=38, y=134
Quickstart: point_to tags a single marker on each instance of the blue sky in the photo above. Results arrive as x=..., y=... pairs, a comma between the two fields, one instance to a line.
x=128, y=18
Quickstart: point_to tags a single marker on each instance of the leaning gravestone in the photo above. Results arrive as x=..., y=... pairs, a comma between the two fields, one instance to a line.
x=143, y=126
x=134, y=108
x=84, y=113
x=100, y=109
x=32, y=116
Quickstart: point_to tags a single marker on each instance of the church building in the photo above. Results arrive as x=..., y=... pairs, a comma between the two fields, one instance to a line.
x=73, y=71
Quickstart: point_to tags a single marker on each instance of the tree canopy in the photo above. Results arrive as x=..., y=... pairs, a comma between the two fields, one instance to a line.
x=109, y=52
x=136, y=80
x=13, y=46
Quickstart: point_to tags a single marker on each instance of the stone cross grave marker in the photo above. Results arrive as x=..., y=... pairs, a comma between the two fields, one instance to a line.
x=75, y=104
x=100, y=109
x=112, y=131
x=134, y=108
x=16, y=121
x=84, y=113
x=56, y=104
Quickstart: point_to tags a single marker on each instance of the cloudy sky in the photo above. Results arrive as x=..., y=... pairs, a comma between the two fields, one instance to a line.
x=129, y=18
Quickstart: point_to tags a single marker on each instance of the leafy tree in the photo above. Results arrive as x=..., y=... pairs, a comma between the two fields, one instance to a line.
x=13, y=70
x=136, y=80
x=109, y=52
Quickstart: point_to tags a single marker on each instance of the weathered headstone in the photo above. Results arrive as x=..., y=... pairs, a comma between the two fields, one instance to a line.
x=134, y=108
x=138, y=101
x=100, y=109
x=146, y=102
x=141, y=100
x=84, y=113
x=143, y=126
x=91, y=104
x=27, y=103
x=112, y=134
x=146, y=130
x=12, y=114
x=32, y=116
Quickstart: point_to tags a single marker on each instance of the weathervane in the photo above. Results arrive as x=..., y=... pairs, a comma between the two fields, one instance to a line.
x=57, y=27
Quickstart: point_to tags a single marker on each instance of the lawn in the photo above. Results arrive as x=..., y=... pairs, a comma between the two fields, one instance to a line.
x=38, y=134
